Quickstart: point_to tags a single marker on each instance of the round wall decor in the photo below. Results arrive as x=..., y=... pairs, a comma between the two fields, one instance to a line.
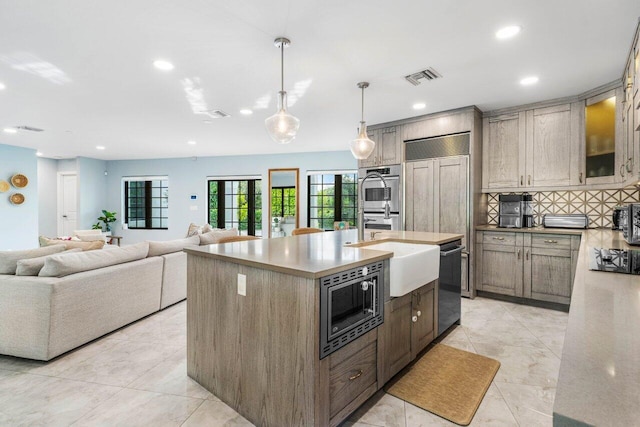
x=19, y=181
x=4, y=186
x=16, y=198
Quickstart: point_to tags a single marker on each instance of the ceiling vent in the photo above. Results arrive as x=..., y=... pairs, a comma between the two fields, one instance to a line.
x=29, y=128
x=216, y=114
x=428, y=74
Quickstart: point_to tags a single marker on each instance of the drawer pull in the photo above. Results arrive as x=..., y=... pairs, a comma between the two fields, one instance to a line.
x=518, y=253
x=529, y=180
x=527, y=254
x=353, y=377
x=521, y=180
x=551, y=241
x=498, y=238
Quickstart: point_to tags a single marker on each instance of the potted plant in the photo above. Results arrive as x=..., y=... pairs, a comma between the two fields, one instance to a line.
x=107, y=218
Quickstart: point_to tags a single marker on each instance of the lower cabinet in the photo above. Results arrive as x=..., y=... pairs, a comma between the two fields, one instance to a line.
x=531, y=265
x=409, y=326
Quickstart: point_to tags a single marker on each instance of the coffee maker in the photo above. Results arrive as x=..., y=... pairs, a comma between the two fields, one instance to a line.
x=515, y=210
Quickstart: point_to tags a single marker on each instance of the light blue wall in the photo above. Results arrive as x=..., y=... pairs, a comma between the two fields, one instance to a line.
x=188, y=176
x=47, y=197
x=92, y=185
x=19, y=224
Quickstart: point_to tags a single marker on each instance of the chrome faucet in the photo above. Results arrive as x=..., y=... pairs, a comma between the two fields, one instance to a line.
x=387, y=208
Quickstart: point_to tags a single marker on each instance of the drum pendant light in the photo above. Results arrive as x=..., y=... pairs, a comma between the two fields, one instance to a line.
x=362, y=146
x=282, y=126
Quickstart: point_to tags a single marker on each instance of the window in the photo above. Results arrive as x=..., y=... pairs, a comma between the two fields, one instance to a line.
x=236, y=203
x=146, y=202
x=332, y=197
x=283, y=201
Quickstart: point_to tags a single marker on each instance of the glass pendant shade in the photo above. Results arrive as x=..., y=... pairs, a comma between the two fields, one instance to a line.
x=282, y=126
x=362, y=146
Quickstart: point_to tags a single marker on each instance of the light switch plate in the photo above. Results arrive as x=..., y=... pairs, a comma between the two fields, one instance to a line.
x=242, y=285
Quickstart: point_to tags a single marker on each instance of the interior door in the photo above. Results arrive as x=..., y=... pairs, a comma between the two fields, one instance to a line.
x=68, y=205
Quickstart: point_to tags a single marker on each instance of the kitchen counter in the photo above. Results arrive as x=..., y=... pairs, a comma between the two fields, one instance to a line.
x=600, y=365
x=315, y=255
x=539, y=229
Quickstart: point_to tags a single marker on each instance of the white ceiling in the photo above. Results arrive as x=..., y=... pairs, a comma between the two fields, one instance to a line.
x=82, y=69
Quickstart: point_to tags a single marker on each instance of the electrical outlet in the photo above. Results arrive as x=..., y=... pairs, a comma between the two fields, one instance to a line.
x=242, y=285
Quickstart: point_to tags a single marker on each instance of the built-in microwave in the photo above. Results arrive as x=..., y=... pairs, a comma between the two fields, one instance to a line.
x=375, y=194
x=351, y=304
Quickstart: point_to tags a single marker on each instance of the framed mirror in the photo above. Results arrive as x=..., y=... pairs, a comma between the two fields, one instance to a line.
x=284, y=205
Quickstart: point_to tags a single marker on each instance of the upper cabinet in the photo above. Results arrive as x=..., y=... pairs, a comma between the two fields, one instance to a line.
x=503, y=151
x=388, y=150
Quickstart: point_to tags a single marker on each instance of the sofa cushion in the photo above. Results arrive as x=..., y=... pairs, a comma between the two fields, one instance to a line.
x=169, y=246
x=9, y=259
x=71, y=244
x=195, y=229
x=215, y=235
x=65, y=264
x=92, y=237
x=32, y=266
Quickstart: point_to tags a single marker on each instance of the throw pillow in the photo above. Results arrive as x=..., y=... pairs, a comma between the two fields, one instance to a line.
x=215, y=235
x=195, y=230
x=62, y=265
x=70, y=244
x=92, y=237
x=32, y=266
x=169, y=246
x=9, y=259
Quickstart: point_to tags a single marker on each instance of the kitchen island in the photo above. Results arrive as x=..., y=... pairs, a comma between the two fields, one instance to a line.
x=259, y=351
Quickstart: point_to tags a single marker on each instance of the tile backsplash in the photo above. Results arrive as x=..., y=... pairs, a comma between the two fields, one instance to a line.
x=597, y=204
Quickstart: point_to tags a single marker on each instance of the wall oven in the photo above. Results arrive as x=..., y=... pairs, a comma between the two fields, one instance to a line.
x=376, y=221
x=351, y=304
x=374, y=191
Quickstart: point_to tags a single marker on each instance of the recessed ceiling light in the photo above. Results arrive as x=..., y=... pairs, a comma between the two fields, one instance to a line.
x=38, y=153
x=163, y=65
x=10, y=130
x=508, y=32
x=527, y=81
x=246, y=112
x=2, y=86
x=191, y=142
x=419, y=106
x=99, y=147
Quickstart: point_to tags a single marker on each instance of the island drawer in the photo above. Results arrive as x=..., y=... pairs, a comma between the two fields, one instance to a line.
x=499, y=238
x=353, y=370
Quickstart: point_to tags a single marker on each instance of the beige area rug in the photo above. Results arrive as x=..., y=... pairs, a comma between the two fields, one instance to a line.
x=447, y=382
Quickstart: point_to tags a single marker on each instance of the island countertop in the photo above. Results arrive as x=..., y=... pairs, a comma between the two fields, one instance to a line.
x=314, y=255
x=600, y=365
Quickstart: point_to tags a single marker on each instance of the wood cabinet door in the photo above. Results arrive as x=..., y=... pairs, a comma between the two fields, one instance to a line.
x=504, y=140
x=420, y=199
x=629, y=131
x=394, y=337
x=423, y=328
x=499, y=269
x=389, y=146
x=552, y=149
x=548, y=274
x=450, y=196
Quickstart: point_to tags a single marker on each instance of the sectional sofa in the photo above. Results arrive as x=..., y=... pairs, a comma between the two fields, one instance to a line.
x=77, y=297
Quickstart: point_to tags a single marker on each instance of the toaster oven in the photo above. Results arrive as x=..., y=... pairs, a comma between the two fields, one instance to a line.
x=631, y=229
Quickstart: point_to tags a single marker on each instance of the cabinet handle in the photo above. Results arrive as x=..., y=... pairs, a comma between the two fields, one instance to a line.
x=551, y=241
x=518, y=253
x=629, y=165
x=580, y=178
x=414, y=319
x=622, y=167
x=527, y=255
x=521, y=180
x=353, y=377
x=529, y=180
x=419, y=313
x=498, y=238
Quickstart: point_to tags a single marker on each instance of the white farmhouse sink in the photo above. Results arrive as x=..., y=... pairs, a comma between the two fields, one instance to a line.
x=412, y=265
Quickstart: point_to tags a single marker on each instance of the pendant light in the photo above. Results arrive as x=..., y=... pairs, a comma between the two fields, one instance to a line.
x=282, y=126
x=362, y=146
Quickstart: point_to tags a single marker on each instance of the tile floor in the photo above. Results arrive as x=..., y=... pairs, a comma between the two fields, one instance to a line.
x=137, y=376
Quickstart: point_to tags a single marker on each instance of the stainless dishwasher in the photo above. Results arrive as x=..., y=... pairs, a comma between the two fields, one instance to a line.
x=449, y=285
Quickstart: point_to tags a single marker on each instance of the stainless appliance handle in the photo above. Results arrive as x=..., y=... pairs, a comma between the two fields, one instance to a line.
x=373, y=297
x=452, y=251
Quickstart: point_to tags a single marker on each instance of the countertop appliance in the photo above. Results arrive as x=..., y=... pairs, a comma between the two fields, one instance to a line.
x=449, y=285
x=351, y=304
x=619, y=218
x=626, y=261
x=631, y=229
x=565, y=221
x=515, y=210
x=375, y=197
